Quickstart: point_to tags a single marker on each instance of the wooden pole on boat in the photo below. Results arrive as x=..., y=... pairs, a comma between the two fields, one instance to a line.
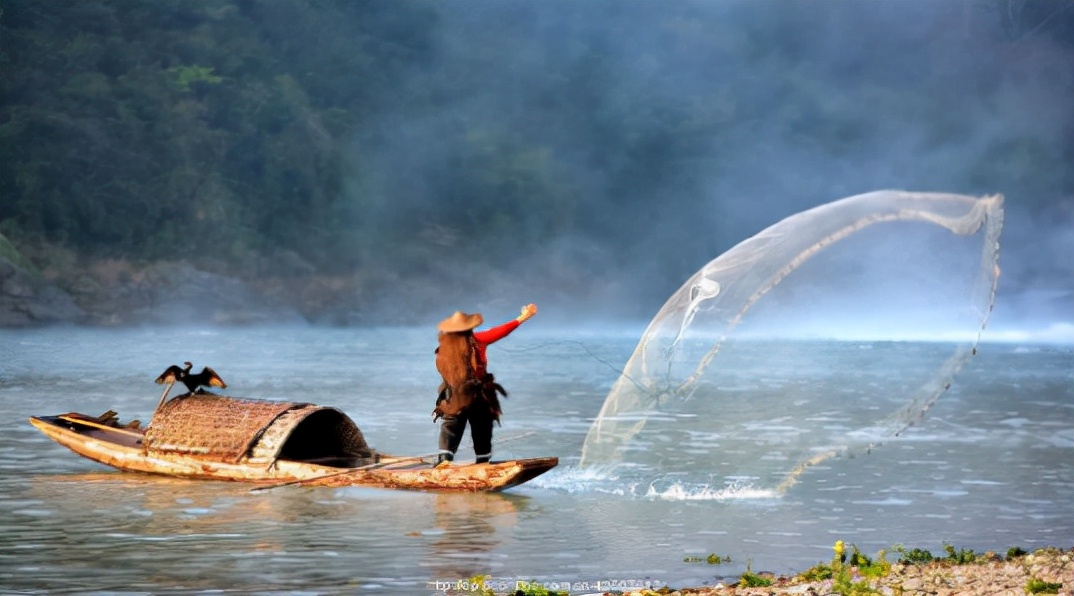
x=163, y=395
x=98, y=425
x=381, y=464
x=376, y=465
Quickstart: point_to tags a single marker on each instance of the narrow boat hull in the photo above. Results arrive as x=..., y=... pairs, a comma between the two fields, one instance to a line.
x=123, y=449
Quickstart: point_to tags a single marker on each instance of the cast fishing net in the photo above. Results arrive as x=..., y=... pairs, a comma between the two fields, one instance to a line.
x=779, y=353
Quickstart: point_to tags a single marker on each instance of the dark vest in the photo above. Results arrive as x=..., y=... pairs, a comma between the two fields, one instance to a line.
x=467, y=393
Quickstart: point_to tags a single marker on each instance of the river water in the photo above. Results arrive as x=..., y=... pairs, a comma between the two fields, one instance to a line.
x=990, y=467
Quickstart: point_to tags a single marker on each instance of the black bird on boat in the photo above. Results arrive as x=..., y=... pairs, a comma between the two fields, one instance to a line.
x=206, y=378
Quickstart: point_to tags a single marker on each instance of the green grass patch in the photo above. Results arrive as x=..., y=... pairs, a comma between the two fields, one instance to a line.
x=816, y=573
x=916, y=556
x=535, y=589
x=843, y=583
x=715, y=559
x=1015, y=552
x=749, y=579
x=1039, y=586
x=962, y=556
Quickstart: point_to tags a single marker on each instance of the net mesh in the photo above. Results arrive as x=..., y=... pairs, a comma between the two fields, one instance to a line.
x=879, y=264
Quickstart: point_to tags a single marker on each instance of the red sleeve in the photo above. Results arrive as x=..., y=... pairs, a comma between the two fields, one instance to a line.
x=496, y=333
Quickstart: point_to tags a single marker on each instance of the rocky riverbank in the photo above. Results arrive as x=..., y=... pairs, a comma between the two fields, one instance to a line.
x=47, y=285
x=1046, y=571
x=69, y=290
x=114, y=293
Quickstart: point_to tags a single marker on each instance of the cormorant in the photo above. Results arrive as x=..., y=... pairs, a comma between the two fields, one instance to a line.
x=207, y=377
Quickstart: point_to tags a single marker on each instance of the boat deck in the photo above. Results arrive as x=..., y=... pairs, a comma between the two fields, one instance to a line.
x=102, y=440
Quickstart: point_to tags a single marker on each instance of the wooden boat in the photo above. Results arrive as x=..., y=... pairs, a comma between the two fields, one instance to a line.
x=212, y=437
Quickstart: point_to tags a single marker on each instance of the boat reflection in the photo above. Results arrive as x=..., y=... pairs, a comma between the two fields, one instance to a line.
x=470, y=526
x=173, y=533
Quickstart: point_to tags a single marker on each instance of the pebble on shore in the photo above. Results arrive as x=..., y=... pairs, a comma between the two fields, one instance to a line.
x=992, y=577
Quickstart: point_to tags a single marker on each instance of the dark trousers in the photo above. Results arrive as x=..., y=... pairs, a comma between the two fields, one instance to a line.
x=452, y=428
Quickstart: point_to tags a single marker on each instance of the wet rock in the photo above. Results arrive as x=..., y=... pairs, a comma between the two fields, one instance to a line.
x=28, y=300
x=182, y=294
x=914, y=585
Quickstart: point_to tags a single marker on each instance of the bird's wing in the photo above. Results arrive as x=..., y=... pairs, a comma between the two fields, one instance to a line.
x=214, y=379
x=171, y=375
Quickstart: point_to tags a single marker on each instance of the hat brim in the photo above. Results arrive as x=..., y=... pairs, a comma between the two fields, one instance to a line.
x=459, y=322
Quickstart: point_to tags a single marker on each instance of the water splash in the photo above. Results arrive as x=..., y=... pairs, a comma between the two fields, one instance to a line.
x=622, y=481
x=736, y=491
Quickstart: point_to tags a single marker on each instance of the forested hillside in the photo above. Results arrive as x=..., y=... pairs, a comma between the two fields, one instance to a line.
x=592, y=143
x=150, y=129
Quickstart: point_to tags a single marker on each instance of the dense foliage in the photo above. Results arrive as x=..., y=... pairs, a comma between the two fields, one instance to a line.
x=149, y=129
x=363, y=133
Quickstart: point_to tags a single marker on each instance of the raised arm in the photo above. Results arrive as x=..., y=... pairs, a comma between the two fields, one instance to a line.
x=499, y=332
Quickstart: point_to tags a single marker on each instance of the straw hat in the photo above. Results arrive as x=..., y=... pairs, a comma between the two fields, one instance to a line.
x=460, y=321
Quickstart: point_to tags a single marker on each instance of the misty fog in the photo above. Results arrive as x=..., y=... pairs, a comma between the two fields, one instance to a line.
x=813, y=108
x=586, y=156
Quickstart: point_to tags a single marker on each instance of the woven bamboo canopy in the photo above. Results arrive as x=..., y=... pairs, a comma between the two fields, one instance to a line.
x=249, y=430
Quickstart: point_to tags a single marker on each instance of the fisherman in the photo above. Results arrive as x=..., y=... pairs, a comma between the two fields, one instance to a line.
x=468, y=393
